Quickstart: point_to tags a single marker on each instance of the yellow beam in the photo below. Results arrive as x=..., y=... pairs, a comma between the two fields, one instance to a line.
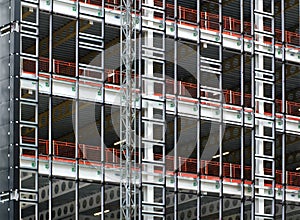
x=216, y=5
x=234, y=62
x=44, y=43
x=60, y=112
x=68, y=37
x=290, y=72
x=87, y=127
x=288, y=5
x=26, y=14
x=95, y=53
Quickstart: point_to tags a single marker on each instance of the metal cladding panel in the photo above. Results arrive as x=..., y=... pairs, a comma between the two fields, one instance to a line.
x=4, y=106
x=4, y=13
x=4, y=101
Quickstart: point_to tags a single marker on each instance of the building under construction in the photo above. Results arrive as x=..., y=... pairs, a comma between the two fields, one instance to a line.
x=149, y=109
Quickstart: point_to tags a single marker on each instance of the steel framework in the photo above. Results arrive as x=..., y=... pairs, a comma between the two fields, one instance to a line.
x=148, y=170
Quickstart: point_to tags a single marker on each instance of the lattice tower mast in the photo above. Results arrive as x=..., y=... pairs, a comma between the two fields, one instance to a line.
x=128, y=111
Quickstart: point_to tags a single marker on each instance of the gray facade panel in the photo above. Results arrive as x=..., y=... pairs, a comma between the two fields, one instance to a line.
x=4, y=105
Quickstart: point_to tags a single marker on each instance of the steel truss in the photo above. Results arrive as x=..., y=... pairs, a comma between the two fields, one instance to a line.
x=128, y=110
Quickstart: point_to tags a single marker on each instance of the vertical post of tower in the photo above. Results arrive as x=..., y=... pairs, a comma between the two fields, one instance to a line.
x=283, y=111
x=127, y=111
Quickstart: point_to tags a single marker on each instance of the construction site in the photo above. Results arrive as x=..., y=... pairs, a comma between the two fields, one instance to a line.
x=149, y=109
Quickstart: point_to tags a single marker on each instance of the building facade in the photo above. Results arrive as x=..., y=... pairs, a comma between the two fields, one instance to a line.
x=188, y=110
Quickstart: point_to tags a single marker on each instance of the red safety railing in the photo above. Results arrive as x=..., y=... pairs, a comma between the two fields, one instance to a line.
x=210, y=21
x=88, y=154
x=184, y=88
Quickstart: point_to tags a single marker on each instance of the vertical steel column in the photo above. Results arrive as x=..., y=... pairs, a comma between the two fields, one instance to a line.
x=243, y=136
x=139, y=120
x=283, y=110
x=199, y=163
x=221, y=125
x=127, y=111
x=103, y=158
x=263, y=99
x=76, y=119
x=102, y=124
x=50, y=110
x=176, y=93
